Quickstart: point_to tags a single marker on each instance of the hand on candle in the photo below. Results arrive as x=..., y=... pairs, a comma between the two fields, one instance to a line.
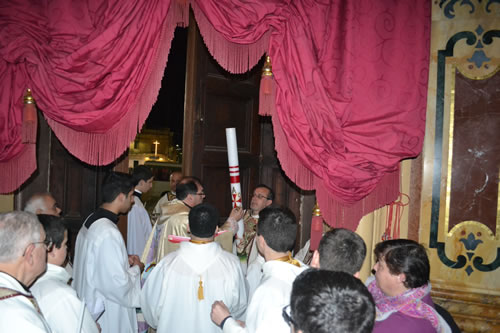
x=237, y=213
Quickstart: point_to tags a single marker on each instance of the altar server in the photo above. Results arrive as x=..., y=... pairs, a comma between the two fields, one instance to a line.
x=104, y=276
x=139, y=223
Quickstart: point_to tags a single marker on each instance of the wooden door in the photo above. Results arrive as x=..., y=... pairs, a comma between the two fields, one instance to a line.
x=75, y=185
x=216, y=100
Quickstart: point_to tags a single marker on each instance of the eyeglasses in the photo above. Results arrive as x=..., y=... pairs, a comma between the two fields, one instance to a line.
x=260, y=196
x=287, y=316
x=48, y=245
x=201, y=193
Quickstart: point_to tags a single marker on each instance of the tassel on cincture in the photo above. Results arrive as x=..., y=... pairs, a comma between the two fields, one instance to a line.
x=200, y=291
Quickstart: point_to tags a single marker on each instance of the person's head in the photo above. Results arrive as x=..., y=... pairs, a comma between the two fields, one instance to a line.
x=56, y=232
x=175, y=178
x=42, y=203
x=262, y=197
x=203, y=221
x=117, y=190
x=330, y=302
x=142, y=178
x=277, y=229
x=23, y=251
x=190, y=191
x=340, y=250
x=401, y=264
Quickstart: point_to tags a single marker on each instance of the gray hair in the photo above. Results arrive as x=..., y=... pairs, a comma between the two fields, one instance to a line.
x=36, y=202
x=17, y=230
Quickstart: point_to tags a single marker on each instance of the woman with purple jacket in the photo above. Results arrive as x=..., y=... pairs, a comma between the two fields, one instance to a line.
x=401, y=289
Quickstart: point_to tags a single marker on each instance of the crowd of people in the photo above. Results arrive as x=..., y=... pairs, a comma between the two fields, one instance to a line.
x=187, y=271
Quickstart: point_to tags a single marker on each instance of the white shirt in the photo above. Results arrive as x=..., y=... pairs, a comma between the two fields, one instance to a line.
x=59, y=303
x=169, y=297
x=273, y=294
x=104, y=279
x=18, y=314
x=139, y=228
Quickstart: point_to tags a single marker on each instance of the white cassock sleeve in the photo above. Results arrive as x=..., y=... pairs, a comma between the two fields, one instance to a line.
x=138, y=230
x=115, y=279
x=231, y=326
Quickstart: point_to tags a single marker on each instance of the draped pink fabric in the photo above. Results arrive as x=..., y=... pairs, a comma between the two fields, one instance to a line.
x=350, y=81
x=351, y=91
x=94, y=67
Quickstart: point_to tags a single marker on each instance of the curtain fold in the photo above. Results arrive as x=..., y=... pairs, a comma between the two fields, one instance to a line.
x=94, y=67
x=350, y=81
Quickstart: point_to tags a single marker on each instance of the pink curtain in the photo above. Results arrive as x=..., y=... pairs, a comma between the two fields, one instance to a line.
x=350, y=82
x=351, y=87
x=95, y=69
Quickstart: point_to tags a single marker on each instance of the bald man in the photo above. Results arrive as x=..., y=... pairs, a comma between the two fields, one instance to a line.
x=175, y=178
x=42, y=203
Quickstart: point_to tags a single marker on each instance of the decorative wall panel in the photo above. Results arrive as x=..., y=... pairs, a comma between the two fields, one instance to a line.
x=460, y=210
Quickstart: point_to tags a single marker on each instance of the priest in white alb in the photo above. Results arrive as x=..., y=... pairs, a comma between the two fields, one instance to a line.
x=179, y=292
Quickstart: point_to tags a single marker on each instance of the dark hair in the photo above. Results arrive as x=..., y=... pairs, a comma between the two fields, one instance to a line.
x=270, y=196
x=407, y=257
x=326, y=301
x=141, y=172
x=115, y=184
x=278, y=227
x=342, y=250
x=54, y=227
x=203, y=220
x=184, y=189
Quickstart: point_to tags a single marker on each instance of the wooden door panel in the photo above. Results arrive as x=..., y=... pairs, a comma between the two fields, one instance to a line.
x=216, y=100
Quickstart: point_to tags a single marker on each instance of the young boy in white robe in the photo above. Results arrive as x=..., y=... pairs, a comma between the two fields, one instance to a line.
x=276, y=233
x=139, y=224
x=179, y=292
x=57, y=300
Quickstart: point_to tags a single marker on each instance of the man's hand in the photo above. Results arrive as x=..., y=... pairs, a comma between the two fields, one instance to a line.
x=236, y=213
x=232, y=221
x=134, y=260
x=219, y=312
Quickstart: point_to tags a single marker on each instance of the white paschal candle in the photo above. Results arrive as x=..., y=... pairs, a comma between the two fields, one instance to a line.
x=234, y=174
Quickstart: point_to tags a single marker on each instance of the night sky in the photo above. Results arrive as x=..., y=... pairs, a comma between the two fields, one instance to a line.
x=168, y=111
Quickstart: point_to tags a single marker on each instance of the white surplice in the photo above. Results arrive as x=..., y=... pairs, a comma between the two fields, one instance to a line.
x=138, y=229
x=264, y=312
x=169, y=298
x=104, y=279
x=17, y=313
x=59, y=304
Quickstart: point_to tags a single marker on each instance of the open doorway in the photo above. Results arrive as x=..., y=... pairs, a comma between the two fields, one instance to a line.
x=159, y=143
